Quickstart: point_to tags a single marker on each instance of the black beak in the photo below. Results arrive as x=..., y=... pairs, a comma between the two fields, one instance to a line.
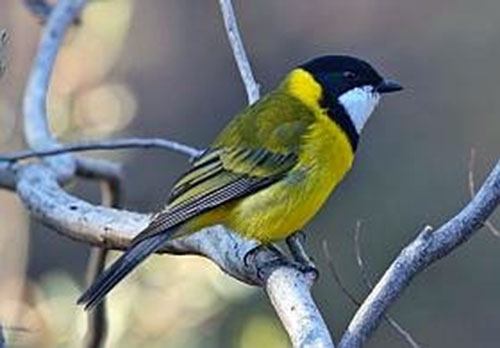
x=388, y=86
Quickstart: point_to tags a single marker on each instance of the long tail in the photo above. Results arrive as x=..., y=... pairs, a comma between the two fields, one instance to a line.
x=121, y=267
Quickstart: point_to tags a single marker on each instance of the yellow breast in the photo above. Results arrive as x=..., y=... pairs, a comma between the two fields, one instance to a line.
x=285, y=207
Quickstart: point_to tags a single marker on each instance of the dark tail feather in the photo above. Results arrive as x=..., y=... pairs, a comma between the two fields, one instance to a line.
x=120, y=268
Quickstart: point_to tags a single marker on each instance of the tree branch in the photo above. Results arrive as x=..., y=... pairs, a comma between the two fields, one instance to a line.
x=472, y=191
x=331, y=264
x=239, y=53
x=426, y=249
x=97, y=324
x=36, y=128
x=112, y=196
x=112, y=144
x=4, y=38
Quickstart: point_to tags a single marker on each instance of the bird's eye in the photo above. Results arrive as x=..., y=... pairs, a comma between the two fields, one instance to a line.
x=349, y=75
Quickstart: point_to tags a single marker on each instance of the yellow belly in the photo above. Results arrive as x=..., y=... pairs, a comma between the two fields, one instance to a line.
x=276, y=212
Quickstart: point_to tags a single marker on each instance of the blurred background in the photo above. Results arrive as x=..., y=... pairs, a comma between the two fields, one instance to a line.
x=165, y=69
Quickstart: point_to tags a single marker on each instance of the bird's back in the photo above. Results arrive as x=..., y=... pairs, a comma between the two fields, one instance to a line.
x=276, y=122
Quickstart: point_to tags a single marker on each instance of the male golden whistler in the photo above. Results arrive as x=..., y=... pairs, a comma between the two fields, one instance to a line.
x=273, y=166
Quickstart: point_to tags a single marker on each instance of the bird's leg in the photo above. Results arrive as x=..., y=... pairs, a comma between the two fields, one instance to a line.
x=274, y=257
x=295, y=243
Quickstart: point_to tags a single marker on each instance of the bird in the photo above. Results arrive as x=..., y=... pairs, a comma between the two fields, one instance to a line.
x=273, y=166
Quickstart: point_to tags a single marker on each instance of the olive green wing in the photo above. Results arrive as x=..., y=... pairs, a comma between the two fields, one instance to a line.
x=276, y=122
x=219, y=176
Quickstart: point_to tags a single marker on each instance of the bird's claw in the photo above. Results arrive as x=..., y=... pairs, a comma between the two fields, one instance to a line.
x=295, y=243
x=274, y=258
x=252, y=255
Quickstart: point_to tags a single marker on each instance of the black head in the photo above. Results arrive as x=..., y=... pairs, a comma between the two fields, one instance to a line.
x=350, y=90
x=339, y=74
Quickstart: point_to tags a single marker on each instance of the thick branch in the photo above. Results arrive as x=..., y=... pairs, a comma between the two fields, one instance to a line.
x=427, y=248
x=36, y=128
x=289, y=292
x=111, y=228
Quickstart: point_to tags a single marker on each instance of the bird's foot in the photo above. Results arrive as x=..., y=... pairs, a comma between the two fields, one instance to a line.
x=267, y=257
x=295, y=243
x=252, y=256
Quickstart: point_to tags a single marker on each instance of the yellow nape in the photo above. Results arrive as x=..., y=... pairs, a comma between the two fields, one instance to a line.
x=302, y=85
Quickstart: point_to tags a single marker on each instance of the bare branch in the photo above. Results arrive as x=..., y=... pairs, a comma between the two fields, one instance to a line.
x=97, y=325
x=114, y=229
x=112, y=144
x=4, y=38
x=239, y=53
x=289, y=292
x=393, y=323
x=111, y=196
x=359, y=256
x=36, y=128
x=336, y=275
x=428, y=247
x=472, y=191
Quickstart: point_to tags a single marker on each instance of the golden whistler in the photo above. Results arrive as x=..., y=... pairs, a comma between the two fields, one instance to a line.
x=273, y=166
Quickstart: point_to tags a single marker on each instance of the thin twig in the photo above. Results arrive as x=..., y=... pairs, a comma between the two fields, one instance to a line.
x=113, y=144
x=111, y=196
x=359, y=256
x=369, y=285
x=97, y=325
x=4, y=38
x=472, y=191
x=239, y=53
x=336, y=275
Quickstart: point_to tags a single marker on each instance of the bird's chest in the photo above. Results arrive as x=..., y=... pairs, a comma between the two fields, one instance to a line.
x=325, y=157
x=326, y=153
x=276, y=212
